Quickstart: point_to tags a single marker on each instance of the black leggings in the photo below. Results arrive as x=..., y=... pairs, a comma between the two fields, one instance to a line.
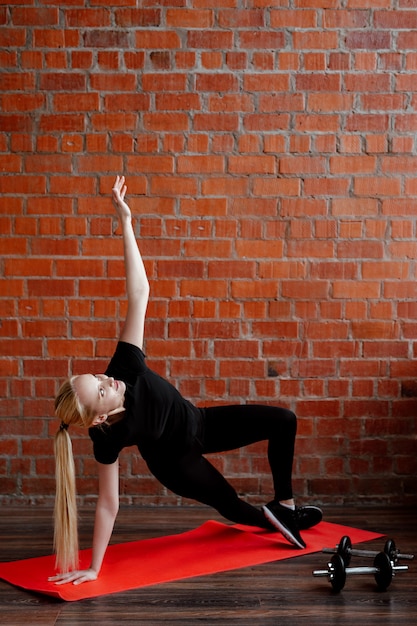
x=228, y=428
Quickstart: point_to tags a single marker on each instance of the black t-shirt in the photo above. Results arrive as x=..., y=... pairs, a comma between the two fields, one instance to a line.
x=156, y=418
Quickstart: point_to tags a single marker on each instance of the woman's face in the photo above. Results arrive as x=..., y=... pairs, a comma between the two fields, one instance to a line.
x=102, y=394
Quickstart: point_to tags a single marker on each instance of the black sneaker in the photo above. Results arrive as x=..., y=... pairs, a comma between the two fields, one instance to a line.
x=284, y=520
x=308, y=516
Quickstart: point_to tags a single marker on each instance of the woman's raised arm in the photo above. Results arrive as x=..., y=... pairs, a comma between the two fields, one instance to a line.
x=137, y=284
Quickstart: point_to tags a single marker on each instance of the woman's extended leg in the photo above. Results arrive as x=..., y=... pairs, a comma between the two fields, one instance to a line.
x=193, y=476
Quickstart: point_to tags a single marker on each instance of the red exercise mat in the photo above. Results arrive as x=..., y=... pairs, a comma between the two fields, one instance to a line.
x=210, y=548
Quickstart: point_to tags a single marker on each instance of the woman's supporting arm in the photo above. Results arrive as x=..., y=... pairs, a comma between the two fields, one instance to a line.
x=106, y=512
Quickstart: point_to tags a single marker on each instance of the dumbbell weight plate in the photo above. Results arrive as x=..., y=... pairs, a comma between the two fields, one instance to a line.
x=383, y=576
x=343, y=549
x=338, y=577
x=390, y=548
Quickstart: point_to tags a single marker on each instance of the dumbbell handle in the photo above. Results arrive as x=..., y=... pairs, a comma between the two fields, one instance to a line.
x=370, y=553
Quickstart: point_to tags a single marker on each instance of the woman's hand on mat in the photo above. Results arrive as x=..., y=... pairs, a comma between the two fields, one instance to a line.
x=76, y=578
x=119, y=192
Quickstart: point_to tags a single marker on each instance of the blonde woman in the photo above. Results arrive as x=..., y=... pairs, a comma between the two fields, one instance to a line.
x=131, y=405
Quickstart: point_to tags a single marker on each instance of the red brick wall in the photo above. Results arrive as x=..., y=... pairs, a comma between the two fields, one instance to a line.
x=270, y=152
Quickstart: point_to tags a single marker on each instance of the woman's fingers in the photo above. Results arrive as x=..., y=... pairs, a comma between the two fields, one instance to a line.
x=76, y=577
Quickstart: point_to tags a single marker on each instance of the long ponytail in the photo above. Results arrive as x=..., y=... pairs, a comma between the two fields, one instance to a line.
x=65, y=511
x=70, y=412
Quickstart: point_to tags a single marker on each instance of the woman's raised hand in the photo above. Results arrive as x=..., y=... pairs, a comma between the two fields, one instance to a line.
x=119, y=192
x=77, y=577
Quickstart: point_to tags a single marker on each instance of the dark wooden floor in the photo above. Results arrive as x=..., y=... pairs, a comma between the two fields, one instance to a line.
x=281, y=593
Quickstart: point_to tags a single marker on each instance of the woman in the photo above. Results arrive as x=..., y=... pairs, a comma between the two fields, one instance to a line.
x=131, y=405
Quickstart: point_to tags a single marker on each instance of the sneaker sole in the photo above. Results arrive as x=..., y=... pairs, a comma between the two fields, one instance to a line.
x=282, y=529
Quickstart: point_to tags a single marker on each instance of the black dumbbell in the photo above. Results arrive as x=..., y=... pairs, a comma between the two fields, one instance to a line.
x=345, y=550
x=383, y=570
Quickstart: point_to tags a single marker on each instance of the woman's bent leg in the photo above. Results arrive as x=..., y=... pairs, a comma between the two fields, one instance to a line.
x=231, y=427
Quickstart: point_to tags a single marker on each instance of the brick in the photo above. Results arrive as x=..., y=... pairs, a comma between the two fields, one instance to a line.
x=402, y=290
x=275, y=187
x=317, y=123
x=200, y=164
x=129, y=17
x=266, y=82
x=310, y=248
x=207, y=248
x=190, y=18
x=203, y=288
x=311, y=40
x=318, y=82
x=8, y=59
x=403, y=249
x=112, y=82
x=261, y=39
x=180, y=269
x=22, y=102
x=329, y=102
x=72, y=143
x=55, y=60
x=57, y=81
x=383, y=102
x=265, y=123
x=284, y=18
x=272, y=102
x=355, y=164
x=165, y=121
x=62, y=123
x=375, y=330
x=326, y=186
x=83, y=102
x=340, y=18
x=12, y=37
x=302, y=207
x=334, y=349
x=158, y=39
x=173, y=186
x=244, y=18
x=299, y=289
x=210, y=39
x=355, y=206
x=259, y=249
x=252, y=164
x=402, y=144
x=238, y=349
x=305, y=165
x=16, y=123
x=10, y=163
x=377, y=186
x=353, y=289
x=395, y=20
x=235, y=269
x=372, y=39
x=334, y=269
x=312, y=368
x=171, y=101
x=360, y=249
x=398, y=164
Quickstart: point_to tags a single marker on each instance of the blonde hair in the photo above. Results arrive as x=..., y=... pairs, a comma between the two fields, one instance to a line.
x=70, y=412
